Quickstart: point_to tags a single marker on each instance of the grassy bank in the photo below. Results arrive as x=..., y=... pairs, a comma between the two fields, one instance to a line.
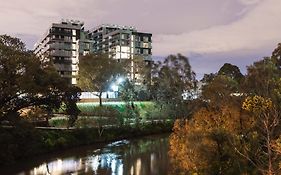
x=25, y=141
x=87, y=108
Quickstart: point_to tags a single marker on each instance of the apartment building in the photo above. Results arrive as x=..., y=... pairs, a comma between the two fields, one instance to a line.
x=122, y=43
x=63, y=43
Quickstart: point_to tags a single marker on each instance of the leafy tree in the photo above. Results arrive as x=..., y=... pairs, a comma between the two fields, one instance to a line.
x=208, y=78
x=141, y=71
x=276, y=56
x=25, y=80
x=234, y=134
x=140, y=81
x=267, y=131
x=262, y=78
x=219, y=88
x=97, y=73
x=262, y=85
x=70, y=100
x=129, y=93
x=171, y=79
x=202, y=145
x=105, y=115
x=231, y=71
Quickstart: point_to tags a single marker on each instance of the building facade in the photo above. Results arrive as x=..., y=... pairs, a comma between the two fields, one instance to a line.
x=64, y=42
x=123, y=43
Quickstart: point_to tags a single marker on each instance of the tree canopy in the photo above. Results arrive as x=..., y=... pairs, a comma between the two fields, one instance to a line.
x=97, y=72
x=171, y=79
x=26, y=81
x=237, y=130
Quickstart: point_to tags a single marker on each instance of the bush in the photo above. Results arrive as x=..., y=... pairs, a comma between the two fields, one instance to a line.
x=59, y=122
x=85, y=122
x=105, y=111
x=18, y=142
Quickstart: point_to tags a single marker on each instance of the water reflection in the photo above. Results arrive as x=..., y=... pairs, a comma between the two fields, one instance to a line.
x=146, y=156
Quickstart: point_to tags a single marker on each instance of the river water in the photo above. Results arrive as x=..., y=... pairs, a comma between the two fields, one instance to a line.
x=140, y=156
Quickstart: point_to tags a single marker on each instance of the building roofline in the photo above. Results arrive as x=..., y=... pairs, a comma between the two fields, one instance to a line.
x=61, y=22
x=114, y=26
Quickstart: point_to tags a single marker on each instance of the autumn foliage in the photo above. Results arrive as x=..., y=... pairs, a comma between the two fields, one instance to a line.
x=237, y=129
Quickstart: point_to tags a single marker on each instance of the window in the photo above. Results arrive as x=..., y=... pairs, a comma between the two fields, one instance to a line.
x=137, y=51
x=145, y=39
x=137, y=38
x=74, y=32
x=145, y=45
x=145, y=51
x=137, y=44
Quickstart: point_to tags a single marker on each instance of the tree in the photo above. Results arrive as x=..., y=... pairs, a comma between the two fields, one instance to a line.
x=231, y=71
x=97, y=73
x=262, y=77
x=276, y=56
x=267, y=130
x=71, y=98
x=234, y=134
x=202, y=144
x=171, y=79
x=262, y=85
x=142, y=70
x=26, y=81
x=140, y=82
x=219, y=88
x=129, y=93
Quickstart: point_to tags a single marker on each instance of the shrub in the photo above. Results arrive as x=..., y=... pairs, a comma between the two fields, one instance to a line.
x=105, y=111
x=61, y=122
x=85, y=122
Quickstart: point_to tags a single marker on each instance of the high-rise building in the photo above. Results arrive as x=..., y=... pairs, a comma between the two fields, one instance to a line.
x=122, y=43
x=63, y=42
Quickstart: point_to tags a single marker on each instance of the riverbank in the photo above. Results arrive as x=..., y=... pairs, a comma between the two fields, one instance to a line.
x=25, y=141
x=145, y=155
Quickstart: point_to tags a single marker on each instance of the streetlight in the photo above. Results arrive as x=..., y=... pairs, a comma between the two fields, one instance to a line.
x=120, y=80
x=115, y=85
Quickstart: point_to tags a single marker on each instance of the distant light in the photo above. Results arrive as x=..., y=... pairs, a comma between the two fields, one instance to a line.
x=114, y=87
x=120, y=80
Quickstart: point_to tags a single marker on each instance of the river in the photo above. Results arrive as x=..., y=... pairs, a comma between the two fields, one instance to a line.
x=140, y=156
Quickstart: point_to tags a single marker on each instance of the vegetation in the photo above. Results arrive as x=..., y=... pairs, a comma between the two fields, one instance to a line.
x=27, y=81
x=97, y=73
x=236, y=129
x=171, y=79
x=18, y=147
x=232, y=128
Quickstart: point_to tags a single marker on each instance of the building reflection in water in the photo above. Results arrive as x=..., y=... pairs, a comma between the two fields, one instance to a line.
x=147, y=156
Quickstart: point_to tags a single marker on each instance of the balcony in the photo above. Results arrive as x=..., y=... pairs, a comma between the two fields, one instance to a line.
x=61, y=46
x=61, y=53
x=60, y=32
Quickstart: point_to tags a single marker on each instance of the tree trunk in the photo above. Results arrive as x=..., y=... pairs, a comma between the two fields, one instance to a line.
x=270, y=168
x=100, y=100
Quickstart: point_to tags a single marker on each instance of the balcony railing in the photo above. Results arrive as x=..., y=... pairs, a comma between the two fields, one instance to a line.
x=61, y=53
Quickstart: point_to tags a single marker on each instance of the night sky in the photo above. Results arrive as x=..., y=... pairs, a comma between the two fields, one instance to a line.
x=209, y=32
